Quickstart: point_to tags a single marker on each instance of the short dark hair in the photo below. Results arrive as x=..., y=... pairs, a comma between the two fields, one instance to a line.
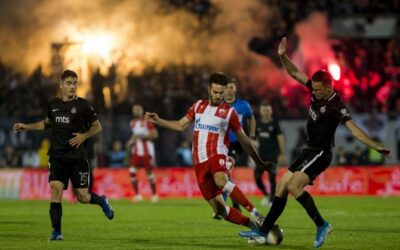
x=233, y=81
x=322, y=76
x=68, y=73
x=218, y=78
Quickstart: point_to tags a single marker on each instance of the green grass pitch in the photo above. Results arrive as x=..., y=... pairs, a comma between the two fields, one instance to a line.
x=359, y=223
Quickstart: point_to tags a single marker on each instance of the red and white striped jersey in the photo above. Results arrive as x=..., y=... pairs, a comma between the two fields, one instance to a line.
x=141, y=147
x=211, y=125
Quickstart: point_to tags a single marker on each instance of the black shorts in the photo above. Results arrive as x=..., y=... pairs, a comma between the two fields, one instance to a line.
x=235, y=150
x=312, y=162
x=63, y=170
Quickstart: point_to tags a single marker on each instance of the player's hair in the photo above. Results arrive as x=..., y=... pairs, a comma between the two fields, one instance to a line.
x=218, y=78
x=265, y=103
x=233, y=81
x=322, y=76
x=68, y=73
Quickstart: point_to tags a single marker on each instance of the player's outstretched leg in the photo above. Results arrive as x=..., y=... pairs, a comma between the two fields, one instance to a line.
x=322, y=234
x=236, y=194
x=102, y=201
x=107, y=209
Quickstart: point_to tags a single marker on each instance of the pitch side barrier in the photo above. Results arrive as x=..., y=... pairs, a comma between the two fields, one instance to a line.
x=31, y=184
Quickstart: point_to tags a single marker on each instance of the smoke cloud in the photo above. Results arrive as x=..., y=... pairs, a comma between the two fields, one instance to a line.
x=143, y=32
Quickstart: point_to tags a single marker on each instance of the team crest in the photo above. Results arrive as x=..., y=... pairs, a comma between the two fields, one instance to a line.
x=222, y=162
x=322, y=109
x=73, y=110
x=343, y=111
x=222, y=112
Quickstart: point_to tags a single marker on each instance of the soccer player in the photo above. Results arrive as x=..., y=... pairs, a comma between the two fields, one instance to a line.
x=271, y=147
x=244, y=112
x=72, y=120
x=143, y=153
x=325, y=113
x=212, y=119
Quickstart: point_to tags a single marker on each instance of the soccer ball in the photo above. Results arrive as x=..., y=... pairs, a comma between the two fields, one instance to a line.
x=275, y=235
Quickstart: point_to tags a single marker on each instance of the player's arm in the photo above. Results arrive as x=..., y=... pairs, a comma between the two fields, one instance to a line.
x=79, y=138
x=151, y=136
x=40, y=125
x=289, y=66
x=131, y=140
x=364, y=138
x=95, y=128
x=251, y=123
x=249, y=148
x=282, y=148
x=179, y=125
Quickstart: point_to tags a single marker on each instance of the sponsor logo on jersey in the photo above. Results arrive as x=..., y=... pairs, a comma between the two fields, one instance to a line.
x=62, y=119
x=200, y=126
x=54, y=110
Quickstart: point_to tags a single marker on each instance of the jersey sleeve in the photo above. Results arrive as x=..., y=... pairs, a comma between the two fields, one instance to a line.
x=89, y=113
x=234, y=123
x=341, y=113
x=191, y=114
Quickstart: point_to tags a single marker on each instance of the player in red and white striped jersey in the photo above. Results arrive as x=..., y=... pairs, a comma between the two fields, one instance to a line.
x=213, y=118
x=142, y=153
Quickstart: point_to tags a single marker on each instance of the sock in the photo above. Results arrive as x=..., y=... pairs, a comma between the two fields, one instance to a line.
x=272, y=181
x=276, y=210
x=134, y=181
x=307, y=202
x=235, y=217
x=95, y=199
x=152, y=184
x=239, y=197
x=55, y=215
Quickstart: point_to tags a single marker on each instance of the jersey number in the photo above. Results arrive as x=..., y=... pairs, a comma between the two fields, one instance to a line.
x=84, y=177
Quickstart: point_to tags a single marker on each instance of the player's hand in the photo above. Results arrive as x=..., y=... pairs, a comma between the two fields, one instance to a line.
x=151, y=117
x=19, y=127
x=386, y=152
x=282, y=47
x=77, y=140
x=266, y=165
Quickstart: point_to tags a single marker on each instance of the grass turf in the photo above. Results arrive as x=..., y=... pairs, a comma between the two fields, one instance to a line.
x=359, y=223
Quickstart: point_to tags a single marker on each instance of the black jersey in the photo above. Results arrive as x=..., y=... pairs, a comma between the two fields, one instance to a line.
x=66, y=118
x=267, y=134
x=323, y=118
